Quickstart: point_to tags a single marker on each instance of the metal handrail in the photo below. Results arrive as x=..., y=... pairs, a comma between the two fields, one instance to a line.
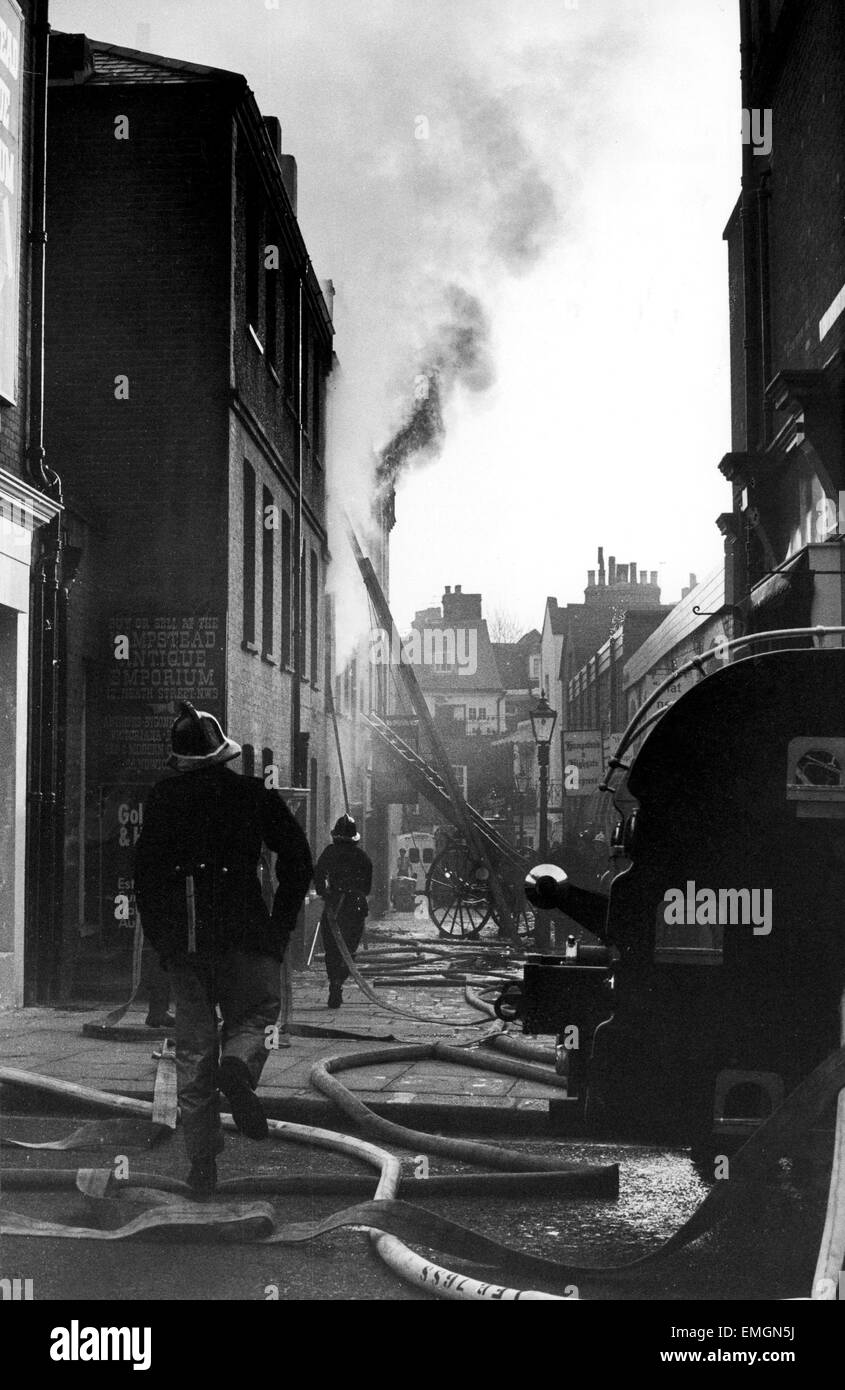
x=718, y=650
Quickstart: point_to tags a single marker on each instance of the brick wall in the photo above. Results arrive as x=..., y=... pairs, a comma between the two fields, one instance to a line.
x=137, y=286
x=807, y=206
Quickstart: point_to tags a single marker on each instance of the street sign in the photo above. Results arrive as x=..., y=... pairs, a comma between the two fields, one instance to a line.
x=583, y=762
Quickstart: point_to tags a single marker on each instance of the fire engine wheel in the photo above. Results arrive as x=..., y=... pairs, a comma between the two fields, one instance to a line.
x=458, y=891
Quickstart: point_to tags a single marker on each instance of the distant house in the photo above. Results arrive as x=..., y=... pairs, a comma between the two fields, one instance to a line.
x=519, y=667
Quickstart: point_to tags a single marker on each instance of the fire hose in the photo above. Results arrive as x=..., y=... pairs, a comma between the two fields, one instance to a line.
x=367, y=990
x=387, y=1218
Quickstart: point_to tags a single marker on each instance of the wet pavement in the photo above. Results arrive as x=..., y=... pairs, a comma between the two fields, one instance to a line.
x=765, y=1250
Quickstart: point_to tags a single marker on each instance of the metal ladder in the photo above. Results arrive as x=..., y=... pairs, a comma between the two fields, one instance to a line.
x=427, y=781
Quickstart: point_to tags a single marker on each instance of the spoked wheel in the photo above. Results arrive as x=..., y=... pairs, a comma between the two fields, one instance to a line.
x=458, y=889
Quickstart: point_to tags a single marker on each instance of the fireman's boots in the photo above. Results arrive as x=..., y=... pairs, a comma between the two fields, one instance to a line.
x=202, y=1179
x=233, y=1080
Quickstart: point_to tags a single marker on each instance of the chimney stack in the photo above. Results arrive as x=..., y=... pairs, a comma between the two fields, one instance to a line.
x=273, y=127
x=654, y=576
x=591, y=579
x=601, y=567
x=621, y=574
x=692, y=581
x=288, y=166
x=633, y=571
x=611, y=569
x=643, y=576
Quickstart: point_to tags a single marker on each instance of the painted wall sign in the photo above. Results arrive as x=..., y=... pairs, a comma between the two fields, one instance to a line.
x=154, y=661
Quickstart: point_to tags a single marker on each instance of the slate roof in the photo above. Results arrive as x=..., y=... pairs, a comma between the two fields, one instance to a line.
x=129, y=67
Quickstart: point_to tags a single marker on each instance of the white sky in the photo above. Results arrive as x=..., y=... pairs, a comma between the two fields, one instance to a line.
x=610, y=409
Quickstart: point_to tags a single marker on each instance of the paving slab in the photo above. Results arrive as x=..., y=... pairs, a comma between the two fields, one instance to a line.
x=50, y=1041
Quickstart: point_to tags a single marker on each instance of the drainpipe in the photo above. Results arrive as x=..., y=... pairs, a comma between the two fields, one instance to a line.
x=46, y=753
x=296, y=771
x=750, y=271
x=763, y=196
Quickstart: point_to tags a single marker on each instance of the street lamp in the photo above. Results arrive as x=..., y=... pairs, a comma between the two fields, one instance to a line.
x=520, y=781
x=543, y=719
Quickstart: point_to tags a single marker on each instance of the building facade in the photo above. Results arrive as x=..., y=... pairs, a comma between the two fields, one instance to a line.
x=572, y=634
x=30, y=491
x=786, y=256
x=188, y=347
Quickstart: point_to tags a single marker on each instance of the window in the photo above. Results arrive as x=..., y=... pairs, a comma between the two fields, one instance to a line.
x=299, y=635
x=291, y=300
x=328, y=640
x=249, y=554
x=313, y=783
x=252, y=250
x=315, y=618
x=271, y=293
x=268, y=560
x=305, y=402
x=317, y=407
x=284, y=655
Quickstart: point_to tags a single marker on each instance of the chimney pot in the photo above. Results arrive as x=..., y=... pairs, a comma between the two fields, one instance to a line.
x=591, y=579
x=611, y=569
x=643, y=576
x=632, y=571
x=654, y=576
x=692, y=581
x=457, y=588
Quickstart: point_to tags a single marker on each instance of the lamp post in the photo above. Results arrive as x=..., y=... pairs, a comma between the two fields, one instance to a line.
x=520, y=781
x=543, y=719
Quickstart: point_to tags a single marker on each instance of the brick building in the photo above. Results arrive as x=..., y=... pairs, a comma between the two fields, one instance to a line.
x=574, y=632
x=188, y=345
x=30, y=493
x=786, y=256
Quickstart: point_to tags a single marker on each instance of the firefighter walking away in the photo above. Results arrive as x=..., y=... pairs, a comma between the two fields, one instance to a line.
x=198, y=892
x=343, y=878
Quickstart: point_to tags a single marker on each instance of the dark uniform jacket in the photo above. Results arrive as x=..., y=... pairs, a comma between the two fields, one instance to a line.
x=212, y=823
x=344, y=868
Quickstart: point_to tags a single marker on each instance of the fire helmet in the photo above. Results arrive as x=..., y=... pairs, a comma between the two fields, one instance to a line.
x=345, y=829
x=197, y=740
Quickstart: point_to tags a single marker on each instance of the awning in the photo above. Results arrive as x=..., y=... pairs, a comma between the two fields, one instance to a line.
x=782, y=599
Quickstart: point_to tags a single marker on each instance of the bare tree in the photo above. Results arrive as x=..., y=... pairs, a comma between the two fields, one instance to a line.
x=503, y=626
